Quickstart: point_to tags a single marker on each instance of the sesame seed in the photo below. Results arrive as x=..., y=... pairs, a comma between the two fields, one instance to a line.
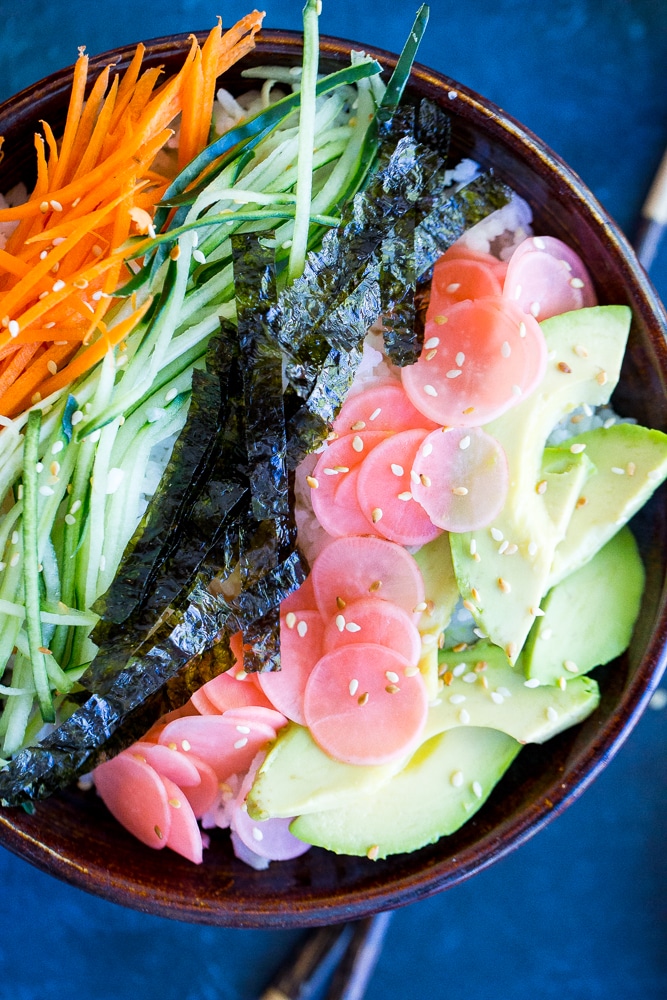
x=76, y=417
x=503, y=547
x=546, y=633
x=562, y=683
x=13, y=328
x=430, y=390
x=480, y=635
x=563, y=367
x=576, y=283
x=541, y=486
x=496, y=534
x=532, y=548
x=617, y=471
x=457, y=779
x=653, y=475
x=58, y=286
x=459, y=669
x=470, y=677
x=15, y=537
x=330, y=472
x=422, y=606
x=46, y=491
x=411, y=671
x=358, y=425
x=198, y=256
x=392, y=689
x=469, y=606
x=571, y=666
x=552, y=714
x=363, y=699
x=243, y=729
x=517, y=390
x=352, y=627
x=631, y=468
x=539, y=243
x=517, y=292
x=405, y=496
x=609, y=422
x=55, y=205
x=464, y=717
x=453, y=287
x=460, y=491
x=376, y=514
x=464, y=442
x=372, y=852
x=577, y=448
x=473, y=546
x=522, y=329
x=357, y=443
x=504, y=585
x=505, y=350
x=56, y=447
x=398, y=470
x=158, y=832
x=239, y=744
x=376, y=584
x=414, y=477
x=440, y=320
x=353, y=687
x=340, y=603
x=14, y=561
x=474, y=593
x=533, y=682
x=431, y=354
x=452, y=373
x=497, y=698
x=511, y=549
x=341, y=468
x=601, y=378
x=376, y=413
x=580, y=350
x=185, y=745
x=425, y=480
x=69, y=519
x=457, y=699
x=427, y=449
x=290, y=619
x=256, y=832
x=240, y=675
x=312, y=482
x=431, y=343
x=302, y=628
x=535, y=309
x=391, y=676
x=340, y=623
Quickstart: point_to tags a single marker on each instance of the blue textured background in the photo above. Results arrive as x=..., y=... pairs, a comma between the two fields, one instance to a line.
x=579, y=911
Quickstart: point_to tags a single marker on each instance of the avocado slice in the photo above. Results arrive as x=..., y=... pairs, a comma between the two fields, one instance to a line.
x=442, y=593
x=513, y=556
x=564, y=475
x=630, y=463
x=589, y=616
x=297, y=777
x=483, y=689
x=444, y=783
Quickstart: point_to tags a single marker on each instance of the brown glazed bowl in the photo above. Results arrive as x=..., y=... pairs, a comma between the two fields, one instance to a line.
x=73, y=837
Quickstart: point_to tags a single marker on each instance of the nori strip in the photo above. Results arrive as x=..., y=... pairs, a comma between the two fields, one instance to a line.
x=402, y=337
x=262, y=368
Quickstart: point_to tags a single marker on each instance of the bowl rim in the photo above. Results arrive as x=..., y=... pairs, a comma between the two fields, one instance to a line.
x=588, y=763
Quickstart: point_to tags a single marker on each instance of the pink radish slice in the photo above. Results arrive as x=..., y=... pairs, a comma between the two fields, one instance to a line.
x=376, y=621
x=227, y=691
x=534, y=344
x=300, y=649
x=334, y=502
x=384, y=491
x=202, y=796
x=458, y=251
x=135, y=795
x=218, y=741
x=475, y=366
x=203, y=703
x=361, y=708
x=364, y=566
x=184, y=834
x=269, y=838
x=545, y=277
x=459, y=279
x=178, y=713
x=256, y=715
x=169, y=762
x=301, y=599
x=380, y=408
x=463, y=478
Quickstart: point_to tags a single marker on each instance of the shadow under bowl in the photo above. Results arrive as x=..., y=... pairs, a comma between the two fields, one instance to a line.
x=73, y=837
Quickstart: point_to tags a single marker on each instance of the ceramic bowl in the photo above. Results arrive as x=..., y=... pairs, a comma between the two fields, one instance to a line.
x=72, y=836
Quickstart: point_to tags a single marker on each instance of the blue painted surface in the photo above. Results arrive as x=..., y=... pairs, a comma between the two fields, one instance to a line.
x=579, y=911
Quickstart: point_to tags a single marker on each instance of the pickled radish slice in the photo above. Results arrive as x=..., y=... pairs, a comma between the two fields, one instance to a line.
x=460, y=279
x=301, y=646
x=169, y=762
x=269, y=838
x=479, y=365
x=334, y=500
x=178, y=713
x=384, y=491
x=136, y=796
x=253, y=715
x=364, y=566
x=360, y=706
x=203, y=703
x=202, y=796
x=301, y=599
x=379, y=408
x=228, y=691
x=459, y=251
x=463, y=477
x=545, y=277
x=184, y=834
x=376, y=621
x=219, y=742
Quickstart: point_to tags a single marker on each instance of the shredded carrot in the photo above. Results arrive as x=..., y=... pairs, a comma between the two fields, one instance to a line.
x=67, y=254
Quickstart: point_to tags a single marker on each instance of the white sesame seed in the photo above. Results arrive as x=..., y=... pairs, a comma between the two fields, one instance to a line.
x=398, y=470
x=411, y=671
x=538, y=242
x=357, y=443
x=503, y=547
x=405, y=496
x=653, y=475
x=577, y=448
x=290, y=619
x=15, y=537
x=431, y=343
x=453, y=287
x=46, y=491
x=427, y=449
x=505, y=350
x=330, y=472
x=302, y=628
x=533, y=682
x=58, y=286
x=457, y=699
x=69, y=519
x=239, y=744
x=464, y=717
x=340, y=623
x=480, y=635
x=552, y=714
x=464, y=442
x=609, y=423
x=353, y=686
x=56, y=447
x=496, y=534
x=546, y=633
x=376, y=514
x=460, y=491
x=517, y=390
x=580, y=350
x=511, y=549
x=430, y=390
x=15, y=559
x=75, y=506
x=457, y=779
x=376, y=413
x=460, y=358
x=497, y=698
x=454, y=373
x=571, y=666
x=535, y=309
x=352, y=627
x=185, y=745
x=504, y=692
x=256, y=832
x=576, y=283
x=76, y=417
x=391, y=676
x=198, y=256
x=517, y=292
x=358, y=425
x=532, y=549
x=114, y=479
x=243, y=729
x=13, y=328
x=469, y=678
x=522, y=329
x=473, y=546
x=459, y=669
x=617, y=471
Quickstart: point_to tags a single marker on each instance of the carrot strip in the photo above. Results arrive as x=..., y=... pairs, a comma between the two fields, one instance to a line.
x=193, y=94
x=27, y=388
x=16, y=366
x=13, y=265
x=129, y=78
x=73, y=119
x=89, y=117
x=92, y=153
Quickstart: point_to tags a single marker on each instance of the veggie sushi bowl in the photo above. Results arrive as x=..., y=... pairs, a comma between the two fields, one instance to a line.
x=72, y=835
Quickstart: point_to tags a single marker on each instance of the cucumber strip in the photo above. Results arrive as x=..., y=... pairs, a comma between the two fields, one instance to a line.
x=17, y=710
x=401, y=73
x=55, y=675
x=304, y=184
x=31, y=566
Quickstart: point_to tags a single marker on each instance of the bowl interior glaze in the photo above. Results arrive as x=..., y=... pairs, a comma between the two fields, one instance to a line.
x=73, y=837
